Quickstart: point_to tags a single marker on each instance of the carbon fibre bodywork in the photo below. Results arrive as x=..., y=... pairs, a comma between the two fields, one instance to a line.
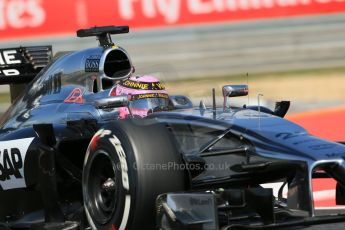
x=273, y=149
x=64, y=95
x=45, y=134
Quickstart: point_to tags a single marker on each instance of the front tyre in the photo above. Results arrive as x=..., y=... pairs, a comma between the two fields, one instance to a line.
x=127, y=165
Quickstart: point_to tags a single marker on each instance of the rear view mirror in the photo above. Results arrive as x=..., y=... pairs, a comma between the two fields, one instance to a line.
x=112, y=102
x=235, y=90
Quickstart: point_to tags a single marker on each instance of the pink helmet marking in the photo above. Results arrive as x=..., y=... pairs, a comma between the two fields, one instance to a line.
x=138, y=85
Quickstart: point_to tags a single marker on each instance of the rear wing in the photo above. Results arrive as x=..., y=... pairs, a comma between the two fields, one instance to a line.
x=21, y=65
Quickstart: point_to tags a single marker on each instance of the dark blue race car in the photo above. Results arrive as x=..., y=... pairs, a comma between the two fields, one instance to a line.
x=68, y=162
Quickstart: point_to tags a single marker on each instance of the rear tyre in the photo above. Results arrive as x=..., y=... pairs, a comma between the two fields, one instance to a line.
x=127, y=165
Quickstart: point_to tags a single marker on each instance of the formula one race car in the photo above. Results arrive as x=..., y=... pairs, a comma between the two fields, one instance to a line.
x=68, y=162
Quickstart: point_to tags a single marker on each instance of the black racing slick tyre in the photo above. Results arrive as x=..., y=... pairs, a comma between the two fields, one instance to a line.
x=127, y=165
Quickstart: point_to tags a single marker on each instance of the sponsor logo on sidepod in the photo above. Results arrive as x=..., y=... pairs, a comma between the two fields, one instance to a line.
x=12, y=158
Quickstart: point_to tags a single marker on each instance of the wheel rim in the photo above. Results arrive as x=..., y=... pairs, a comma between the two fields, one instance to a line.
x=102, y=187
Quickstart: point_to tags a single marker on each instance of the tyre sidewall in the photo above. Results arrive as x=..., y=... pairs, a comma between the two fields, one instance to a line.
x=144, y=144
x=105, y=142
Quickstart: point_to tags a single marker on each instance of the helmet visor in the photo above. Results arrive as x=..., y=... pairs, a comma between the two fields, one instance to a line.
x=151, y=101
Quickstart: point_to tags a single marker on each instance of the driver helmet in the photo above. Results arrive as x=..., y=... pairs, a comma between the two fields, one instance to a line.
x=146, y=93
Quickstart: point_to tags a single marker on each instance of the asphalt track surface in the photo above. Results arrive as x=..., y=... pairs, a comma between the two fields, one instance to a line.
x=328, y=124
